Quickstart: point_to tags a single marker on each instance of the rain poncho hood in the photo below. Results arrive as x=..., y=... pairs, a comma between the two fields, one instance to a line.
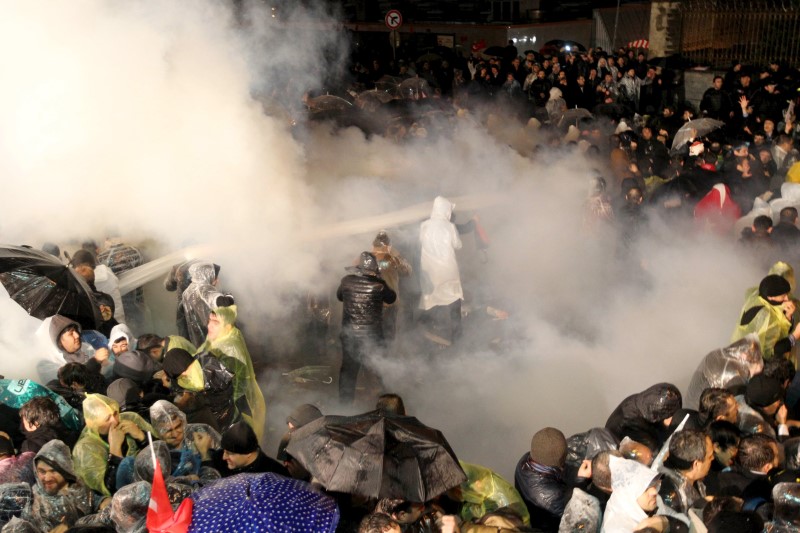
x=119, y=331
x=162, y=413
x=629, y=480
x=59, y=457
x=199, y=298
x=230, y=348
x=786, y=516
x=129, y=507
x=726, y=368
x=658, y=402
x=91, y=451
x=68, y=506
x=58, y=323
x=486, y=491
x=439, y=275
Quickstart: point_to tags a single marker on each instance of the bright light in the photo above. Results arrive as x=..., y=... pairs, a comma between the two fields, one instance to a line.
x=533, y=39
x=567, y=48
x=514, y=39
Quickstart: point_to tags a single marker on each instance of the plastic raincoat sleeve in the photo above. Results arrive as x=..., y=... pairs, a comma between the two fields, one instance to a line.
x=485, y=492
x=582, y=513
x=769, y=324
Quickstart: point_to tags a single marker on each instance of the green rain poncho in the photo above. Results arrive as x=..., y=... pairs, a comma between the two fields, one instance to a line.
x=91, y=451
x=485, y=491
x=769, y=324
x=230, y=348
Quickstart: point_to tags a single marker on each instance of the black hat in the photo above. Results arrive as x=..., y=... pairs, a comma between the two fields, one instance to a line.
x=239, y=438
x=176, y=361
x=763, y=391
x=773, y=285
x=134, y=365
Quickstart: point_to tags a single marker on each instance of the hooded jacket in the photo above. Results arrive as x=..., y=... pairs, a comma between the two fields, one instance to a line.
x=766, y=320
x=58, y=324
x=106, y=281
x=629, y=480
x=199, y=298
x=47, y=511
x=230, y=348
x=439, y=276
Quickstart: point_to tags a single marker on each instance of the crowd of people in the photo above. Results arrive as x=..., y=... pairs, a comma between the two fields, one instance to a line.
x=116, y=402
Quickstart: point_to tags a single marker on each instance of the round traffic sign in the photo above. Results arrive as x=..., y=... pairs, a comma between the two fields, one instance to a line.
x=393, y=19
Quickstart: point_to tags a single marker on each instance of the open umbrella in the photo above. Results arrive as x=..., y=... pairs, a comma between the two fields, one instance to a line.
x=328, y=102
x=429, y=57
x=262, y=502
x=495, y=51
x=372, y=99
x=388, y=83
x=571, y=116
x=696, y=128
x=415, y=88
x=44, y=287
x=377, y=456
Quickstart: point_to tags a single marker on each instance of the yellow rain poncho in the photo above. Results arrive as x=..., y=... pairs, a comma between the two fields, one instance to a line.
x=230, y=348
x=770, y=324
x=90, y=453
x=485, y=491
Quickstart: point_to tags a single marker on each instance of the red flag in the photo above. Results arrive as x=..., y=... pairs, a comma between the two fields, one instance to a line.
x=160, y=518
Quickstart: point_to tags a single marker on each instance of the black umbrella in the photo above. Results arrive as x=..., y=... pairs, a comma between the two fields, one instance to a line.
x=44, y=287
x=377, y=456
x=496, y=51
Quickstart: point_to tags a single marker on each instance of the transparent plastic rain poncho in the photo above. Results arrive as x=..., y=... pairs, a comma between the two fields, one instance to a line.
x=230, y=348
x=786, y=516
x=144, y=469
x=91, y=451
x=769, y=324
x=199, y=298
x=46, y=511
x=727, y=368
x=485, y=491
x=162, y=413
x=14, y=499
x=129, y=507
x=582, y=514
x=439, y=277
x=791, y=448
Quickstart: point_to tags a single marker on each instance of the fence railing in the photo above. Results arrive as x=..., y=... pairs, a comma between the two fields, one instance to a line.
x=716, y=32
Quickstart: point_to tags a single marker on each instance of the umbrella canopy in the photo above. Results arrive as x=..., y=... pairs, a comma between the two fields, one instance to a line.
x=430, y=57
x=388, y=83
x=377, y=456
x=415, y=88
x=372, y=99
x=574, y=115
x=699, y=127
x=44, y=287
x=495, y=51
x=262, y=502
x=328, y=102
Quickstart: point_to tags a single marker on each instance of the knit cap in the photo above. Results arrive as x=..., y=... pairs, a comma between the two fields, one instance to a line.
x=549, y=447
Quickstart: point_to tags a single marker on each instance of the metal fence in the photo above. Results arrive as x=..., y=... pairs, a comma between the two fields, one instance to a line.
x=716, y=32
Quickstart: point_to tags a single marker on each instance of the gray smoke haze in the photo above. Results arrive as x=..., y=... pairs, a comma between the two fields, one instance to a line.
x=139, y=119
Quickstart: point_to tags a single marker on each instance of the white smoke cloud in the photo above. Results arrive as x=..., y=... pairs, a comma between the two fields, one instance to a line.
x=139, y=119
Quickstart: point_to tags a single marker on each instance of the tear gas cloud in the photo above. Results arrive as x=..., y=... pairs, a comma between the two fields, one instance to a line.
x=139, y=119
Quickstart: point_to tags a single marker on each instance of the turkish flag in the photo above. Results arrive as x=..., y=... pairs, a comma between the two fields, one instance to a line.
x=160, y=518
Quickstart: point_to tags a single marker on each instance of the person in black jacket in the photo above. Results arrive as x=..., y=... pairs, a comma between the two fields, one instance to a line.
x=240, y=454
x=362, y=293
x=539, y=478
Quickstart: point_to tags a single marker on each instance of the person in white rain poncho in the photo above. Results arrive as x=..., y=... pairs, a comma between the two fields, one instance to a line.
x=634, y=502
x=200, y=297
x=439, y=277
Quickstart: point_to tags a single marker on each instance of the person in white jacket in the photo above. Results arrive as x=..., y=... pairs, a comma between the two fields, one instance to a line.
x=439, y=276
x=99, y=277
